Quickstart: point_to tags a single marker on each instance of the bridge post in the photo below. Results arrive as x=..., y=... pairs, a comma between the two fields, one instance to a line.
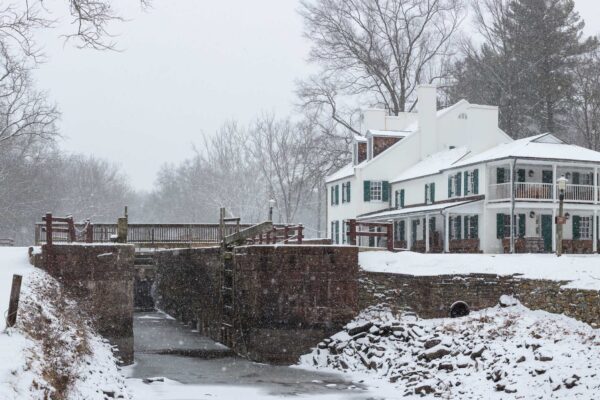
x=122, y=230
x=300, y=233
x=352, y=231
x=49, y=229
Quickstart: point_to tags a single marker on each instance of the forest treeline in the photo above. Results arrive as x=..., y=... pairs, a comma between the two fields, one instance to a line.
x=529, y=57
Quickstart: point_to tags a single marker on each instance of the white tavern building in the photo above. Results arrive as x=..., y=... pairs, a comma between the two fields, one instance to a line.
x=451, y=180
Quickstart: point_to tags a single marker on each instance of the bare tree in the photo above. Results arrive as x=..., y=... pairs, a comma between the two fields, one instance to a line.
x=286, y=154
x=375, y=52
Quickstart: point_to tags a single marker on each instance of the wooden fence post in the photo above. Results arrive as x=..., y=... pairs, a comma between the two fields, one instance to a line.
x=352, y=231
x=71, y=228
x=390, y=237
x=13, y=304
x=49, y=229
x=122, y=230
x=286, y=233
x=89, y=233
x=300, y=234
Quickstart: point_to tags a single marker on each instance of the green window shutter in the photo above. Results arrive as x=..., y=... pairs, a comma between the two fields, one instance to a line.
x=458, y=228
x=401, y=197
x=575, y=178
x=348, y=192
x=466, y=226
x=500, y=226
x=332, y=232
x=449, y=186
x=332, y=196
x=474, y=227
x=337, y=194
x=402, y=231
x=396, y=199
x=500, y=175
x=431, y=225
x=426, y=193
x=458, y=181
x=475, y=181
x=423, y=225
x=367, y=190
x=521, y=225
x=576, y=224
x=385, y=191
x=413, y=233
x=521, y=175
x=466, y=176
x=343, y=192
x=432, y=194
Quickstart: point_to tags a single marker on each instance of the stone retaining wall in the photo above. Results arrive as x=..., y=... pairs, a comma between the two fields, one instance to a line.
x=287, y=298
x=432, y=296
x=100, y=278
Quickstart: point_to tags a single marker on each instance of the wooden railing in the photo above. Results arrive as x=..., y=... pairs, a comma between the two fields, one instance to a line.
x=148, y=233
x=7, y=242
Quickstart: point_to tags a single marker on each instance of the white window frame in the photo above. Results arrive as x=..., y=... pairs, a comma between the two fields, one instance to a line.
x=585, y=225
x=376, y=189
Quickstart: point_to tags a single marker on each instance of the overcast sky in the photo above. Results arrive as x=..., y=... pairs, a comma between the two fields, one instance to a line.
x=186, y=67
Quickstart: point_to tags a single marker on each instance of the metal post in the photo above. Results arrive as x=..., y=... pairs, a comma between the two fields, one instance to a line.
x=512, y=206
x=300, y=233
x=13, y=304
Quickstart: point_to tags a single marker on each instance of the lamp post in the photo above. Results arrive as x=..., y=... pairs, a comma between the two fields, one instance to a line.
x=562, y=185
x=271, y=205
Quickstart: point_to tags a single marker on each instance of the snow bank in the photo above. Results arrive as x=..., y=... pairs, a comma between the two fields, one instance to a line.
x=52, y=352
x=497, y=353
x=582, y=271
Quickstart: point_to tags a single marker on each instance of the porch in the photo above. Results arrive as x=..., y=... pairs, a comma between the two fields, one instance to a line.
x=536, y=181
x=534, y=229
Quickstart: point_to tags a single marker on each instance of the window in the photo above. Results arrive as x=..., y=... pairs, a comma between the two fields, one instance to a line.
x=587, y=179
x=471, y=182
x=430, y=193
x=344, y=232
x=503, y=226
x=335, y=232
x=582, y=227
x=376, y=190
x=399, y=198
x=455, y=228
x=346, y=192
x=454, y=185
x=335, y=195
x=462, y=116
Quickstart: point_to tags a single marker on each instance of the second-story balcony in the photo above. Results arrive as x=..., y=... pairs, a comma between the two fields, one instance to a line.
x=540, y=191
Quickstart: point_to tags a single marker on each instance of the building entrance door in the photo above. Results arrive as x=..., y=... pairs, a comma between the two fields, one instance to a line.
x=547, y=232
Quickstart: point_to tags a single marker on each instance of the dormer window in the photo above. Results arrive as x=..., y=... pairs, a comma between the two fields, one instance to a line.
x=462, y=116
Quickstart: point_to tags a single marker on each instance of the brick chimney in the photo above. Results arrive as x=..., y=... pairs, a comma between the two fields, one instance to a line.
x=427, y=110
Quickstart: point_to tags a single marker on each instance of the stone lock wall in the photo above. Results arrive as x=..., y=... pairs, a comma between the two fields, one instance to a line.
x=100, y=277
x=187, y=287
x=287, y=298
x=432, y=296
x=291, y=297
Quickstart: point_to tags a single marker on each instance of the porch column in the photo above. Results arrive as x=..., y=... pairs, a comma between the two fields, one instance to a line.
x=483, y=230
x=554, y=230
x=408, y=234
x=512, y=208
x=426, y=227
x=554, y=178
x=595, y=232
x=595, y=185
x=447, y=233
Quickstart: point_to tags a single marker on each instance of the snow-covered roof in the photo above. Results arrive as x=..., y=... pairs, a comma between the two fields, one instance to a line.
x=359, y=138
x=433, y=164
x=542, y=147
x=374, y=132
x=342, y=173
x=413, y=210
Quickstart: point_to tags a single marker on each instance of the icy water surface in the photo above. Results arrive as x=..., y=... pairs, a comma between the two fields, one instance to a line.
x=189, y=366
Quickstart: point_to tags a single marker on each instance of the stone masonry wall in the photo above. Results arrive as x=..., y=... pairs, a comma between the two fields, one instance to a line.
x=432, y=296
x=287, y=298
x=290, y=297
x=187, y=287
x=100, y=277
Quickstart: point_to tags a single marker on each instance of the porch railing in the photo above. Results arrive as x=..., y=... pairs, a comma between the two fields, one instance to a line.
x=540, y=191
x=579, y=193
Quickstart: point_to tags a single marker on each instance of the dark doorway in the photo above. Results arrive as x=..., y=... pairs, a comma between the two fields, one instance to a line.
x=547, y=232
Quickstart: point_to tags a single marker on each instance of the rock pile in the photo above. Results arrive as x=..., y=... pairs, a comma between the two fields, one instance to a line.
x=504, y=352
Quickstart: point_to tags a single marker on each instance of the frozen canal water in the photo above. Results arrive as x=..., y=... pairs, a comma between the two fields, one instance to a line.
x=190, y=366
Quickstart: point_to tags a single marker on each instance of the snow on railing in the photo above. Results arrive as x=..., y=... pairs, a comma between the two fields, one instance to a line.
x=540, y=191
x=579, y=193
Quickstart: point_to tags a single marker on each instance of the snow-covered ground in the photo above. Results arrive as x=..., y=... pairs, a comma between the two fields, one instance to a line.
x=51, y=353
x=497, y=353
x=582, y=271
